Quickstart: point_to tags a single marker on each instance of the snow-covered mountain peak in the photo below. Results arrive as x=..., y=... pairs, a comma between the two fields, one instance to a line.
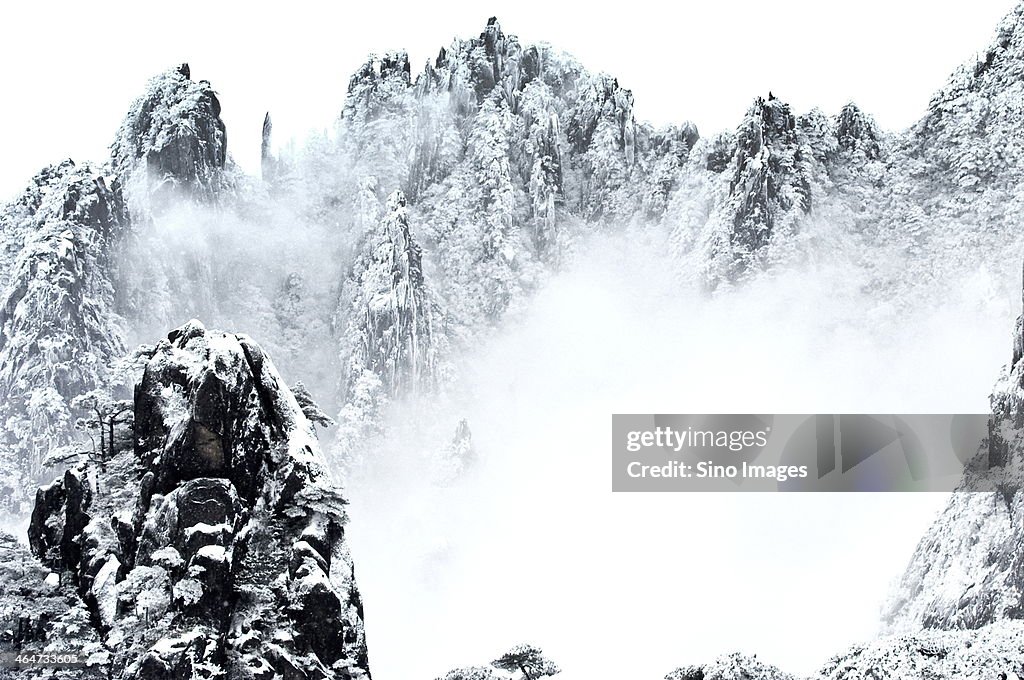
x=173, y=141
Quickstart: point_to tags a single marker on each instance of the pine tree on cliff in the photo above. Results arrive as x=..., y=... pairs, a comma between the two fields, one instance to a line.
x=60, y=330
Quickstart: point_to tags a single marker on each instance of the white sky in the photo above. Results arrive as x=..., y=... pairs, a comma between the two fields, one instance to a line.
x=70, y=70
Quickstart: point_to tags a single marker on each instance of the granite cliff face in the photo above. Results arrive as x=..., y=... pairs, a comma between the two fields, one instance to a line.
x=217, y=545
x=66, y=301
x=393, y=314
x=173, y=140
x=968, y=570
x=59, y=326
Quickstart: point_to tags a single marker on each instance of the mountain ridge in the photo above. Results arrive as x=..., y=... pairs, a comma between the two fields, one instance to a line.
x=369, y=260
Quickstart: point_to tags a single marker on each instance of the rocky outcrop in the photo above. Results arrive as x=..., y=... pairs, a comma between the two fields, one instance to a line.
x=994, y=651
x=217, y=547
x=59, y=327
x=64, y=275
x=60, y=285
x=968, y=569
x=745, y=191
x=856, y=131
x=173, y=139
x=971, y=131
x=767, y=184
x=392, y=313
x=59, y=517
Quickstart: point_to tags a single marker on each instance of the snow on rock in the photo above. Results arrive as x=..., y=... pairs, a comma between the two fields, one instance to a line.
x=757, y=196
x=968, y=569
x=994, y=651
x=394, y=341
x=971, y=132
x=59, y=516
x=58, y=324
x=730, y=667
x=503, y=149
x=393, y=312
x=173, y=139
x=104, y=591
x=235, y=526
x=857, y=131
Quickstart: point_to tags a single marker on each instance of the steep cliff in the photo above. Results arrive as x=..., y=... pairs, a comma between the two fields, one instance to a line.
x=216, y=546
x=503, y=150
x=59, y=326
x=173, y=141
x=392, y=313
x=393, y=344
x=968, y=570
x=70, y=290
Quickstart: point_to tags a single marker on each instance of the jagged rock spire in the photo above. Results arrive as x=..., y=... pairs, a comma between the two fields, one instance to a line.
x=768, y=184
x=392, y=313
x=856, y=131
x=173, y=138
x=267, y=161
